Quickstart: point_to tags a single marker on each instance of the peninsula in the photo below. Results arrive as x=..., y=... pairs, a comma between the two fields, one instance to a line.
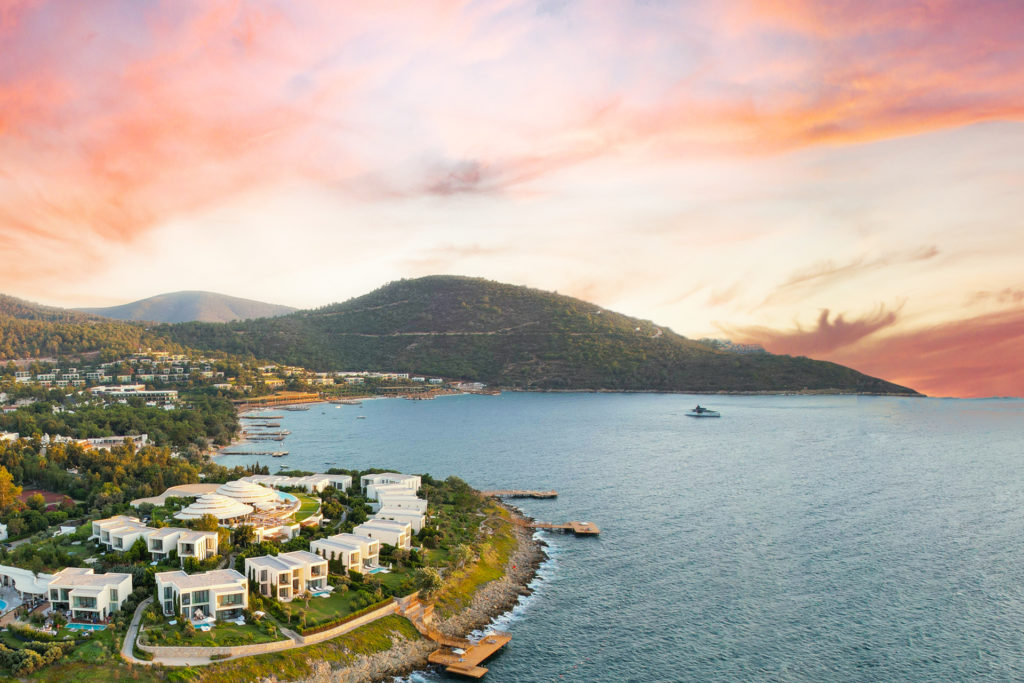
x=343, y=575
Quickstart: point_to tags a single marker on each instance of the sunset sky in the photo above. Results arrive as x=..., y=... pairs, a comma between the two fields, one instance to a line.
x=814, y=176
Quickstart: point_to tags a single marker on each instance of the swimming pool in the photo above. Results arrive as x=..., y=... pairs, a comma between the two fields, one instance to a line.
x=377, y=570
x=85, y=627
x=3, y=605
x=286, y=497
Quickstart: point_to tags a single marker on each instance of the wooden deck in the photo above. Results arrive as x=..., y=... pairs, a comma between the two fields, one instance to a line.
x=519, y=493
x=468, y=663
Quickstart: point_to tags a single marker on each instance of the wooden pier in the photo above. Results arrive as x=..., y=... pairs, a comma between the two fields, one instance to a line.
x=261, y=417
x=468, y=663
x=276, y=454
x=578, y=528
x=519, y=493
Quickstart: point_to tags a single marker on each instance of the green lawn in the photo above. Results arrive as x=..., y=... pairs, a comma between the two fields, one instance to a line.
x=322, y=609
x=394, y=580
x=221, y=635
x=310, y=506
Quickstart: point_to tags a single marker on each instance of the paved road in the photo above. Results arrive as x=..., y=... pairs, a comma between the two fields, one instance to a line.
x=129, y=640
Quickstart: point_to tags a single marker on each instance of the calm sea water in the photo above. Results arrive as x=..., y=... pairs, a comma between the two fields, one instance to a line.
x=794, y=539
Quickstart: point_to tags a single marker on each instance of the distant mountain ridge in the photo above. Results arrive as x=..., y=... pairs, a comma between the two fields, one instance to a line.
x=187, y=306
x=514, y=337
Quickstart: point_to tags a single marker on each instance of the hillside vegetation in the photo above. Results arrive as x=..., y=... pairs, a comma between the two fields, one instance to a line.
x=28, y=330
x=511, y=336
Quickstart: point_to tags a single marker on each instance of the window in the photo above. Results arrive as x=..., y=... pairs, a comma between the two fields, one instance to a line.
x=200, y=597
x=167, y=593
x=113, y=595
x=232, y=600
x=263, y=575
x=186, y=598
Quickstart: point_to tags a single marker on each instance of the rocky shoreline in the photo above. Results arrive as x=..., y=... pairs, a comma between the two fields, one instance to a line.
x=494, y=599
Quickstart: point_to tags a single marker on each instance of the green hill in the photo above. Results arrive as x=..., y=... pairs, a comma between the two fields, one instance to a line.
x=185, y=306
x=515, y=337
x=29, y=330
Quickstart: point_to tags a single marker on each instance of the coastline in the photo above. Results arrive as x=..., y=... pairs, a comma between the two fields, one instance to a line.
x=493, y=599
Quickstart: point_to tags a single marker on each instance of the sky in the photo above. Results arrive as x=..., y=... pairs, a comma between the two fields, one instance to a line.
x=835, y=179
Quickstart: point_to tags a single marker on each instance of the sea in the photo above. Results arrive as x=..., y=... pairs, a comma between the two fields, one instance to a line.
x=796, y=538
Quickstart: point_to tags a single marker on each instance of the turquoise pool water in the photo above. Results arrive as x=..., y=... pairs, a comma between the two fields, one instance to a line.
x=286, y=497
x=3, y=605
x=85, y=627
x=376, y=570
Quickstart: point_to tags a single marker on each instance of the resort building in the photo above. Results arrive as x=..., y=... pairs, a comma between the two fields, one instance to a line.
x=118, y=532
x=356, y=553
x=250, y=494
x=221, y=593
x=288, y=575
x=87, y=596
x=409, y=481
x=313, y=483
x=226, y=510
x=398, y=534
x=162, y=542
x=415, y=519
x=198, y=544
x=400, y=500
x=108, y=442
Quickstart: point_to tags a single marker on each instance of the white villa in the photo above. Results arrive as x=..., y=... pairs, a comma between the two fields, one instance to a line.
x=368, y=482
x=388, y=499
x=313, y=483
x=221, y=593
x=287, y=575
x=198, y=544
x=356, y=553
x=88, y=596
x=398, y=534
x=120, y=533
x=406, y=515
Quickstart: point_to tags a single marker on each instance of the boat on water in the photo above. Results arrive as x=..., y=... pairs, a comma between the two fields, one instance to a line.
x=701, y=411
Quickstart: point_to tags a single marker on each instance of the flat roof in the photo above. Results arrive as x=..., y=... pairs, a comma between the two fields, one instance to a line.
x=83, y=577
x=216, y=577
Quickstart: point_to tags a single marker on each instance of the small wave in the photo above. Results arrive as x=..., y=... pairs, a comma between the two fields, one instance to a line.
x=418, y=677
x=546, y=572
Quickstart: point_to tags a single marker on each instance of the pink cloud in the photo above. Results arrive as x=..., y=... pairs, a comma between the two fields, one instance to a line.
x=973, y=357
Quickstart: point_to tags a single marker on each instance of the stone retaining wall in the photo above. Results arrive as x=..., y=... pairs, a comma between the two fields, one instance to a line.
x=234, y=651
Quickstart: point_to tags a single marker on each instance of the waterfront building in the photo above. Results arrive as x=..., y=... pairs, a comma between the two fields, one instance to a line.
x=221, y=593
x=409, y=481
x=401, y=500
x=313, y=483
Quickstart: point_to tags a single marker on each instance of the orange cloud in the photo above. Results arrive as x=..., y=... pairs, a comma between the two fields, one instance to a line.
x=826, y=336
